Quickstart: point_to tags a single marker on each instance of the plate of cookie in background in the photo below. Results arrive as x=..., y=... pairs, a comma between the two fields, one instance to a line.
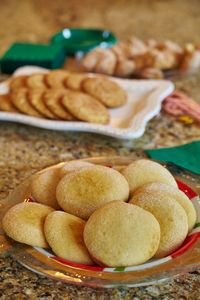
x=63, y=100
x=139, y=229
x=135, y=58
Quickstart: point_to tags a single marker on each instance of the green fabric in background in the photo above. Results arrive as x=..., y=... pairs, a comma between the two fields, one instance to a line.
x=22, y=54
x=186, y=156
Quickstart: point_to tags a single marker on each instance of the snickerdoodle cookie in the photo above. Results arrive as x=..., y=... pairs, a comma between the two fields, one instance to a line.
x=105, y=90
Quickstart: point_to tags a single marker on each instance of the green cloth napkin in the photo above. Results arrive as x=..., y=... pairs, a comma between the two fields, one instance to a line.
x=186, y=156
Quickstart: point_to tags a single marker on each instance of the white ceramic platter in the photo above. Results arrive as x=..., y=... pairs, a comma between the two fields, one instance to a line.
x=129, y=121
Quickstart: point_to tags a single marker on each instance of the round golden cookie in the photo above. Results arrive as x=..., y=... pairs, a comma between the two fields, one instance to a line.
x=24, y=223
x=119, y=235
x=64, y=234
x=144, y=171
x=73, y=166
x=105, y=90
x=81, y=192
x=171, y=217
x=20, y=100
x=35, y=97
x=43, y=187
x=74, y=81
x=164, y=190
x=85, y=108
x=36, y=80
x=16, y=82
x=56, y=78
x=52, y=99
x=6, y=104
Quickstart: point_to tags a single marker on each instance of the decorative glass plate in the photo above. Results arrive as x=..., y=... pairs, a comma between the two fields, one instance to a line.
x=129, y=121
x=43, y=261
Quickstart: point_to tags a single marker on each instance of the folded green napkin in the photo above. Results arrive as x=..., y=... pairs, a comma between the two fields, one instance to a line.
x=186, y=156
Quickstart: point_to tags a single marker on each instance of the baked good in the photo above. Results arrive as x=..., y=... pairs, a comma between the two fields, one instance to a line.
x=43, y=186
x=52, y=99
x=105, y=90
x=16, y=82
x=74, y=81
x=90, y=60
x=144, y=171
x=73, y=166
x=124, y=67
x=19, y=98
x=164, y=190
x=85, y=107
x=36, y=80
x=106, y=64
x=56, y=78
x=35, y=97
x=83, y=191
x=64, y=234
x=24, y=223
x=6, y=104
x=171, y=217
x=119, y=234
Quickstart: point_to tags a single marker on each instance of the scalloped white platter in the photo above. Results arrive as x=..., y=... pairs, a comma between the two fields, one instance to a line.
x=144, y=99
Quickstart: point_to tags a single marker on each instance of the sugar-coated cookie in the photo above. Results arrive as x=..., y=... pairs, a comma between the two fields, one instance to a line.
x=105, y=90
x=74, y=81
x=24, y=223
x=16, y=82
x=43, y=187
x=36, y=80
x=6, y=104
x=119, y=234
x=64, y=234
x=52, y=99
x=164, y=190
x=20, y=100
x=56, y=78
x=73, y=166
x=83, y=191
x=35, y=96
x=171, y=217
x=85, y=107
x=144, y=171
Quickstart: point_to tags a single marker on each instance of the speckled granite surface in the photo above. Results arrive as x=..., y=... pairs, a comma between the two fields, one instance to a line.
x=24, y=149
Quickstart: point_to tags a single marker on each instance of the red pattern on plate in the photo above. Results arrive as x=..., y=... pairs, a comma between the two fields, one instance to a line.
x=65, y=262
x=189, y=241
x=186, y=189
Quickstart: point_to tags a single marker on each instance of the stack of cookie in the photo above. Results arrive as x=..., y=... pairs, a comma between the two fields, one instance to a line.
x=63, y=95
x=91, y=214
x=142, y=59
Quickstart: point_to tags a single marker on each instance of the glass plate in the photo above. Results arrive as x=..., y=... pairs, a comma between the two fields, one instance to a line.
x=43, y=261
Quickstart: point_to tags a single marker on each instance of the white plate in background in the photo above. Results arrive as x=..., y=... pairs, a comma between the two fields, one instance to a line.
x=129, y=121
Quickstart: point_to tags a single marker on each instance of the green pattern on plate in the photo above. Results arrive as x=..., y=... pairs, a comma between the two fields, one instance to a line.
x=119, y=269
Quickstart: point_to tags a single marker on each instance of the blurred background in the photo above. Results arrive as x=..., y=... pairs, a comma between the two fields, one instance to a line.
x=35, y=21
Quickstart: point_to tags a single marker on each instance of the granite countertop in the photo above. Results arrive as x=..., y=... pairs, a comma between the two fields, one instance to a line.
x=25, y=150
